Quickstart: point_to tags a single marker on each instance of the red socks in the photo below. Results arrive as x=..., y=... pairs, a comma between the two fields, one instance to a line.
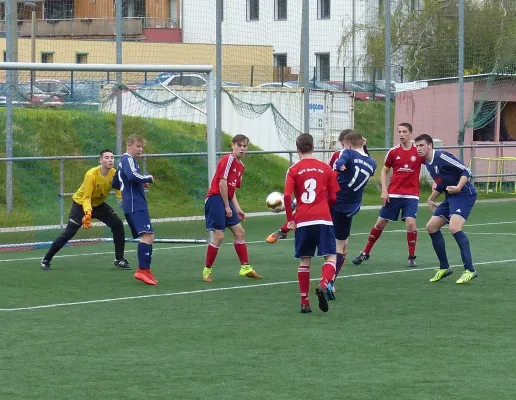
x=241, y=250
x=411, y=242
x=211, y=254
x=374, y=235
x=303, y=278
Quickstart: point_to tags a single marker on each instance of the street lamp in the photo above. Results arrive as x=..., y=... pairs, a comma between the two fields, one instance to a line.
x=32, y=6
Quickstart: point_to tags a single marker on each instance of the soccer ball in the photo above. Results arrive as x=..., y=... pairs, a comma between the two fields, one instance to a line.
x=275, y=202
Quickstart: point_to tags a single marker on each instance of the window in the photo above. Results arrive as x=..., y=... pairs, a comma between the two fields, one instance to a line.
x=58, y=9
x=47, y=56
x=253, y=10
x=81, y=58
x=323, y=66
x=415, y=5
x=323, y=9
x=280, y=60
x=280, y=10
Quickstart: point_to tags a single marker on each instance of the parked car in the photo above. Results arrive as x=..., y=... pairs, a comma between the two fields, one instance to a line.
x=319, y=85
x=276, y=85
x=192, y=79
x=360, y=92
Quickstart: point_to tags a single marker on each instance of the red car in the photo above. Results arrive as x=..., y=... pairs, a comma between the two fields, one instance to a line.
x=360, y=93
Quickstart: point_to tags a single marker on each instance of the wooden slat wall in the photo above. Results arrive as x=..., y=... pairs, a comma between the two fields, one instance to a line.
x=94, y=9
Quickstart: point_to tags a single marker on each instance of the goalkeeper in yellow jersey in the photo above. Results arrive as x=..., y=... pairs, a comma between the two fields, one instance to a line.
x=90, y=202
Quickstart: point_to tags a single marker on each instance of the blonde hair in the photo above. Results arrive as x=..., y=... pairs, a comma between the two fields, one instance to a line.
x=135, y=138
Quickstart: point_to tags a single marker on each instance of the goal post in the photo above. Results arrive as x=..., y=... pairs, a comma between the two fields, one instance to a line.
x=58, y=117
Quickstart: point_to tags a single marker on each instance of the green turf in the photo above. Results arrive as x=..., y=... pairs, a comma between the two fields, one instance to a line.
x=390, y=334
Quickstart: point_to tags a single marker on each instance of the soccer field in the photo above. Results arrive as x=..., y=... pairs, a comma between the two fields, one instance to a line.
x=89, y=331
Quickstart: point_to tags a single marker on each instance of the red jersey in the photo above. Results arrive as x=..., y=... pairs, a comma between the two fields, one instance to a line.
x=334, y=157
x=311, y=181
x=231, y=169
x=406, y=165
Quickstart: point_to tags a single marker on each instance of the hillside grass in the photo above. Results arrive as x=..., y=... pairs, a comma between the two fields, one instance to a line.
x=181, y=182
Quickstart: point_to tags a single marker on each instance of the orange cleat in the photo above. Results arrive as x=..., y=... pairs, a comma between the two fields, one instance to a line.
x=143, y=275
x=149, y=273
x=273, y=237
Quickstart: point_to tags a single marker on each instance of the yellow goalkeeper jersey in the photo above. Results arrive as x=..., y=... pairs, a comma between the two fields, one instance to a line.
x=94, y=189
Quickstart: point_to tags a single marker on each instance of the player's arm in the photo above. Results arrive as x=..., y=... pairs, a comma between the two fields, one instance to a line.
x=431, y=200
x=452, y=163
x=87, y=185
x=130, y=171
x=287, y=199
x=340, y=164
x=364, y=146
x=223, y=189
x=385, y=187
x=236, y=204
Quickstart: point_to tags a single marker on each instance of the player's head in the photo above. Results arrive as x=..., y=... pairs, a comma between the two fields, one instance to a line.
x=107, y=158
x=239, y=145
x=404, y=132
x=354, y=141
x=135, y=145
x=425, y=145
x=305, y=143
x=343, y=134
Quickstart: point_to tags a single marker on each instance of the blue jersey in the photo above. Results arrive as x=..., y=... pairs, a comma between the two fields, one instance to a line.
x=130, y=182
x=359, y=168
x=446, y=170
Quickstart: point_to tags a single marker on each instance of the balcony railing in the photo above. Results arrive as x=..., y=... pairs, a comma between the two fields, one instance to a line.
x=89, y=26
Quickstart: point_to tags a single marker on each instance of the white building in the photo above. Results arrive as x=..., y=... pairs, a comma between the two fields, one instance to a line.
x=278, y=23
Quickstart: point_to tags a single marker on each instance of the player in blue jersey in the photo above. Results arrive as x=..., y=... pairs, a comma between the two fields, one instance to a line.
x=354, y=167
x=131, y=183
x=451, y=177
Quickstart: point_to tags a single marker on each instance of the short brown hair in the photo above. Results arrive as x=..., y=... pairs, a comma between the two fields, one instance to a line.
x=240, y=138
x=344, y=133
x=135, y=138
x=305, y=143
x=355, y=139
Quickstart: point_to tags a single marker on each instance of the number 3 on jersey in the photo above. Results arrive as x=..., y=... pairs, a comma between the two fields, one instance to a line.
x=309, y=195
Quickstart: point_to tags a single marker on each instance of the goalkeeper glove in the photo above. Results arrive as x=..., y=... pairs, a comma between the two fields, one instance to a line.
x=86, y=220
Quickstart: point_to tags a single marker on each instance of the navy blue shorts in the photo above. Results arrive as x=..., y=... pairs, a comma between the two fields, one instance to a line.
x=318, y=236
x=139, y=222
x=341, y=224
x=459, y=204
x=215, y=214
x=391, y=210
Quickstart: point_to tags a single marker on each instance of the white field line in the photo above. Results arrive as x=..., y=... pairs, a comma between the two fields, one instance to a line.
x=221, y=289
x=8, y=260
x=200, y=218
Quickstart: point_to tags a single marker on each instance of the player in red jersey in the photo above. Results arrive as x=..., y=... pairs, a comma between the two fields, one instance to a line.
x=315, y=188
x=401, y=195
x=283, y=231
x=222, y=210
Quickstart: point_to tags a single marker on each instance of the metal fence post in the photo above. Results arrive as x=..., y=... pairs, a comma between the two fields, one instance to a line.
x=61, y=192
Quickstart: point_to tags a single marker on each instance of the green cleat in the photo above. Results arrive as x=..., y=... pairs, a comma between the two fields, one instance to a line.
x=248, y=271
x=441, y=274
x=467, y=276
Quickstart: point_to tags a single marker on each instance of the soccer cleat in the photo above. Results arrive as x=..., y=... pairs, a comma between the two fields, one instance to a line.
x=206, y=275
x=247, y=270
x=45, y=265
x=323, y=300
x=305, y=309
x=441, y=274
x=122, y=264
x=467, y=276
x=143, y=275
x=149, y=274
x=412, y=262
x=361, y=257
x=274, y=237
x=330, y=291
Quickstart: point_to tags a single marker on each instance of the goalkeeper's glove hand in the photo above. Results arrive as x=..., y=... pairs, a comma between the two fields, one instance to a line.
x=86, y=220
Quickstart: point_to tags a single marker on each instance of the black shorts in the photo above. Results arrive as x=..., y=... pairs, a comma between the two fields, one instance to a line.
x=341, y=223
x=103, y=212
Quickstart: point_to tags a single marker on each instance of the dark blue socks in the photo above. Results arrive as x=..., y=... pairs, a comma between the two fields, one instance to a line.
x=440, y=249
x=144, y=255
x=465, y=251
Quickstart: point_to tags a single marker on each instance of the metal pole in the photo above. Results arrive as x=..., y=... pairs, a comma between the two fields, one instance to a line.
x=218, y=77
x=119, y=136
x=387, y=13
x=61, y=192
x=32, y=6
x=462, y=128
x=210, y=127
x=353, y=21
x=11, y=37
x=305, y=64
